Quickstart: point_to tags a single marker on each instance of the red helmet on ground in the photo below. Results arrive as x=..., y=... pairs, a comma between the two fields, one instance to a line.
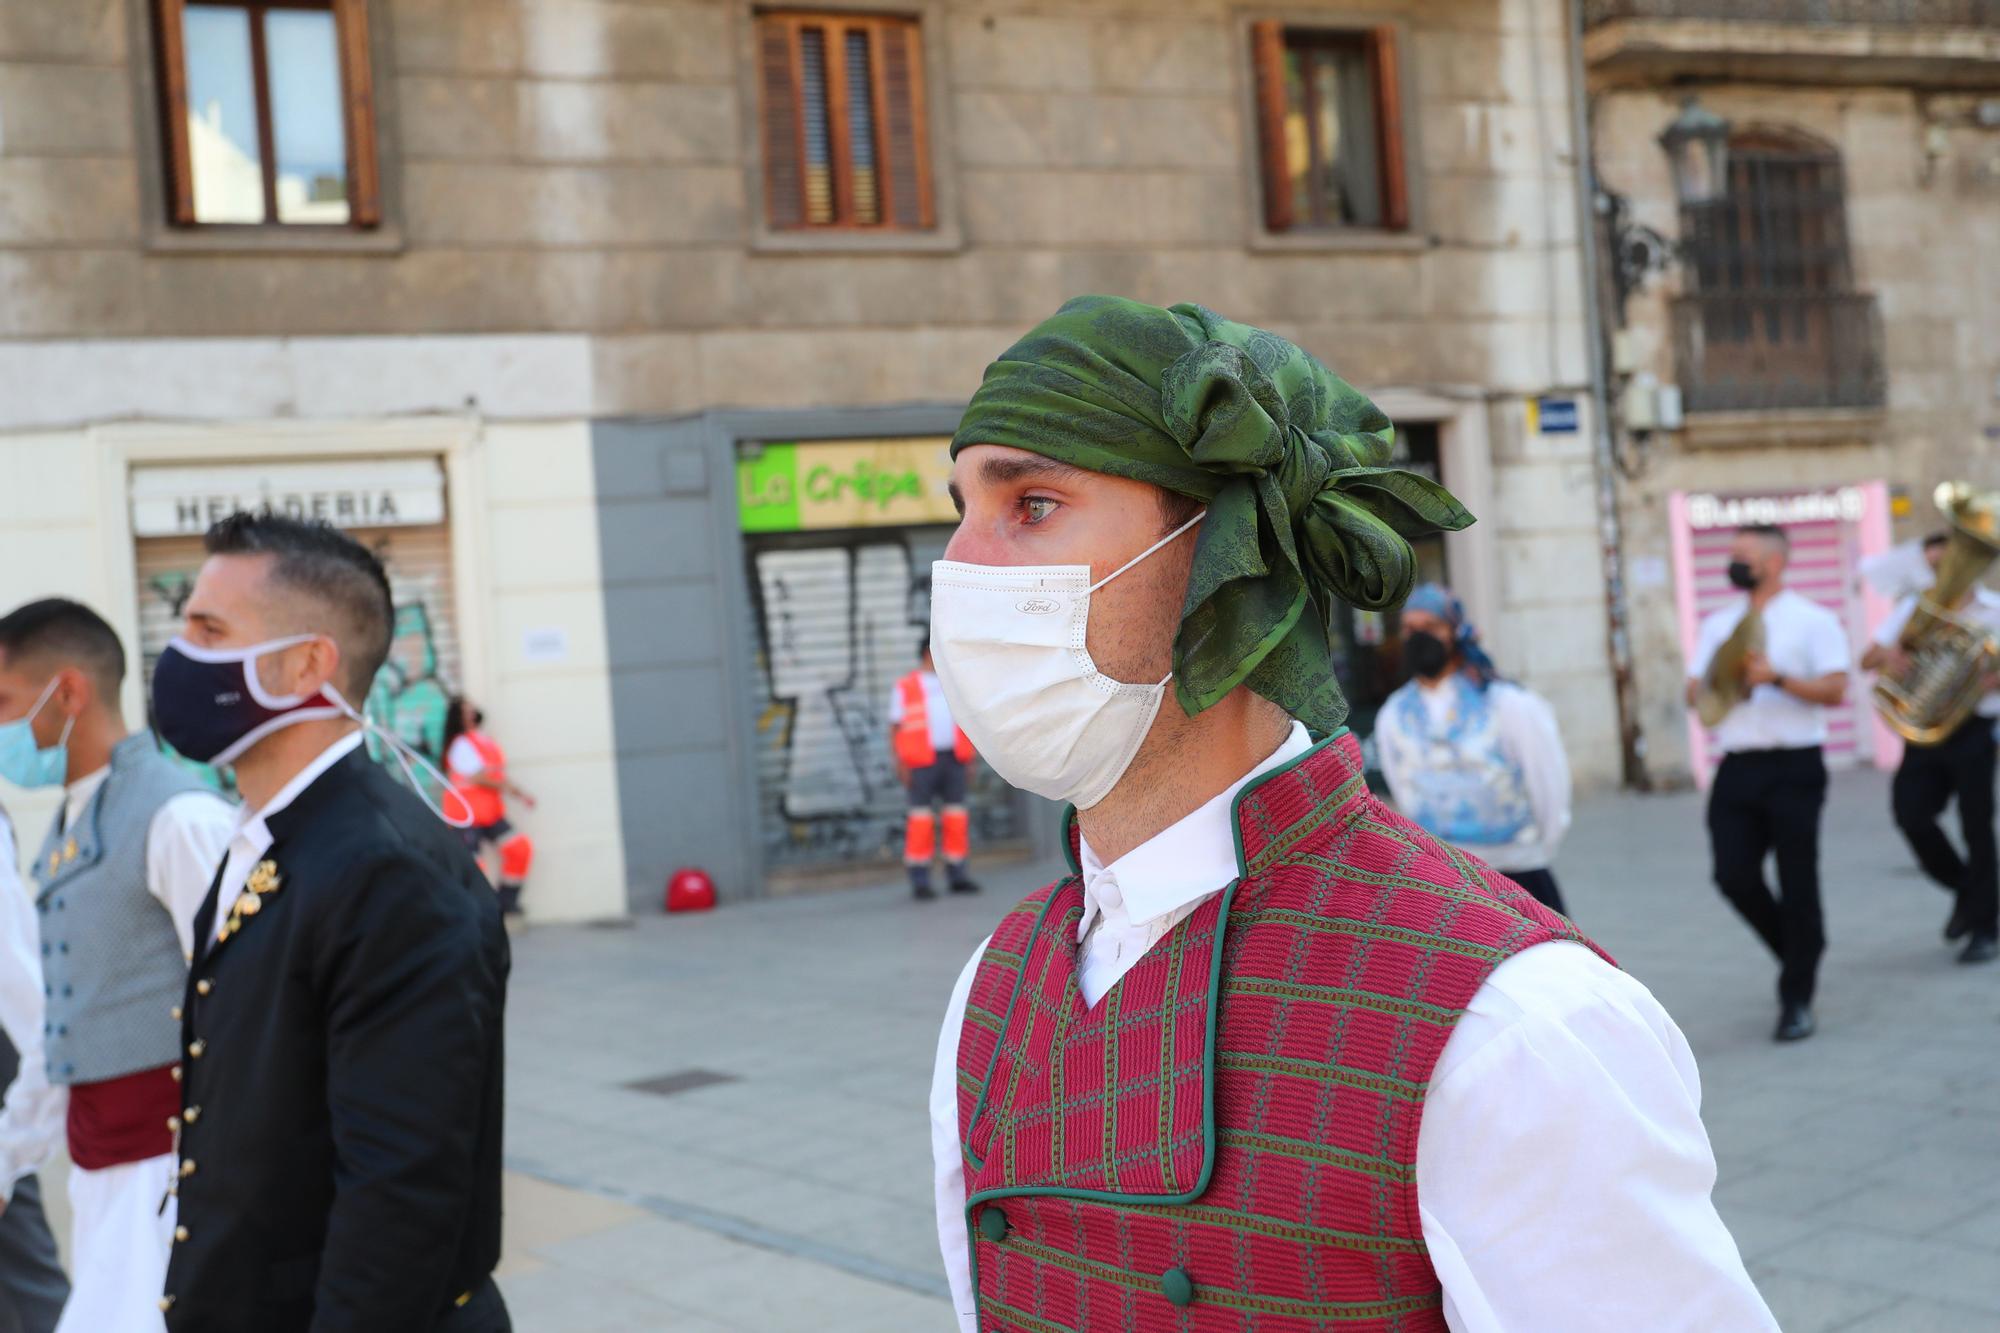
x=690, y=890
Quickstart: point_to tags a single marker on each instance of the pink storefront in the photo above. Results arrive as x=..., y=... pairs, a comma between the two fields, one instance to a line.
x=1832, y=531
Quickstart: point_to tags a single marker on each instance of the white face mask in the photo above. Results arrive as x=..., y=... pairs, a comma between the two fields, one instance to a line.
x=1009, y=646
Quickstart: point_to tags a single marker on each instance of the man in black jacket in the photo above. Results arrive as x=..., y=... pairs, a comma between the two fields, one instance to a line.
x=341, y=1085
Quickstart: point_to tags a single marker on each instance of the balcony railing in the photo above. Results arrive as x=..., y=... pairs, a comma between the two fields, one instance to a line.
x=1773, y=351
x=1950, y=13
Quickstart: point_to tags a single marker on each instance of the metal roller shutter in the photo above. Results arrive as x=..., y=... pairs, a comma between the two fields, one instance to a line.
x=837, y=618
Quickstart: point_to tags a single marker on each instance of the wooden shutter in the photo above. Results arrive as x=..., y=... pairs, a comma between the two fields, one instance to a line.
x=1389, y=128
x=906, y=135
x=1267, y=54
x=783, y=123
x=364, y=181
x=891, y=124
x=173, y=109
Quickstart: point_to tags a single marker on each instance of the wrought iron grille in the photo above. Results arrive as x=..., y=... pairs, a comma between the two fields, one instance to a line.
x=1958, y=13
x=1772, y=319
x=1770, y=350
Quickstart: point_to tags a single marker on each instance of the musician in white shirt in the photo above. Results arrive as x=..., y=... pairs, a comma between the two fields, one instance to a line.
x=1771, y=786
x=1961, y=766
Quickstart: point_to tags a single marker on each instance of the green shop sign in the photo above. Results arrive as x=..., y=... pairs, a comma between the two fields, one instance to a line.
x=799, y=487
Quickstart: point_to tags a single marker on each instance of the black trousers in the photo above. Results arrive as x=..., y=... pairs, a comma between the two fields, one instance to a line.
x=1541, y=886
x=1959, y=766
x=1767, y=801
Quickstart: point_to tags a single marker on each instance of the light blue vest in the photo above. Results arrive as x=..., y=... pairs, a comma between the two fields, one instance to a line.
x=112, y=967
x=1469, y=790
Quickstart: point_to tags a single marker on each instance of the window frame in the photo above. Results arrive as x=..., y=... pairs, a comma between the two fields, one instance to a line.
x=935, y=147
x=838, y=28
x=374, y=176
x=1397, y=102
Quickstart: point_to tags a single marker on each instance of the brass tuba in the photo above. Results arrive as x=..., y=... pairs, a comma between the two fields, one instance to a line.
x=1722, y=686
x=1949, y=656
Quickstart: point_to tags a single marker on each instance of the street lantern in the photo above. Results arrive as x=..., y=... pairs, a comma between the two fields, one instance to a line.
x=1697, y=144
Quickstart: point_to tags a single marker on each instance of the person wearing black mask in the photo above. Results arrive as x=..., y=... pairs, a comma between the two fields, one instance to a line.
x=1476, y=760
x=1771, y=785
x=340, y=1125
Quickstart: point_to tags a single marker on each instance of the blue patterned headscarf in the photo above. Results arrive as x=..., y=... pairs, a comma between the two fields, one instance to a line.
x=1437, y=600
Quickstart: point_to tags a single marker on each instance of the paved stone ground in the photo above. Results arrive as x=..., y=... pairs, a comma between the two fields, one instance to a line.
x=1860, y=1170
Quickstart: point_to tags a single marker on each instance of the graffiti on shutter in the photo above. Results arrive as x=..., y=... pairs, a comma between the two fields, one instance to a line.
x=837, y=620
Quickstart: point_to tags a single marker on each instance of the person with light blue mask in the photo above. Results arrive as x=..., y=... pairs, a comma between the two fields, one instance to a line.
x=116, y=884
x=1474, y=759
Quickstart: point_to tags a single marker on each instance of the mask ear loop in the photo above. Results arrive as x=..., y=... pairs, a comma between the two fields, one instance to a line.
x=1141, y=556
x=405, y=754
x=69, y=723
x=1148, y=551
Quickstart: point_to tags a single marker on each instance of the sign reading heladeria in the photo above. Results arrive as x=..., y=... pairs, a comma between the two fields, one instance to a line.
x=361, y=493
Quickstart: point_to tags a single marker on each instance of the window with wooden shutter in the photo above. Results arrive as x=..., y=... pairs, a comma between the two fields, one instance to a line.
x=842, y=110
x=1329, y=128
x=269, y=113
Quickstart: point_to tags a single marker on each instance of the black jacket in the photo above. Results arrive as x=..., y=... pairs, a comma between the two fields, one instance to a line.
x=341, y=1077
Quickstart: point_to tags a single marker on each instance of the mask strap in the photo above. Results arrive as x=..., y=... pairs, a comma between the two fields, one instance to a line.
x=1148, y=551
x=406, y=755
x=47, y=690
x=69, y=725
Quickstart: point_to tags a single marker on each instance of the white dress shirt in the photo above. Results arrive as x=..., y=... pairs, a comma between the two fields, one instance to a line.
x=32, y=1118
x=252, y=837
x=1803, y=641
x=937, y=713
x=1983, y=611
x=183, y=847
x=1528, y=733
x=1563, y=1174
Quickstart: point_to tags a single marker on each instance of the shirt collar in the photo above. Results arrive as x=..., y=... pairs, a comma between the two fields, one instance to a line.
x=304, y=778
x=1182, y=863
x=77, y=794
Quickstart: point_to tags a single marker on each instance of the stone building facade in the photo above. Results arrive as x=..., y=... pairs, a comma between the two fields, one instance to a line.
x=578, y=269
x=1847, y=337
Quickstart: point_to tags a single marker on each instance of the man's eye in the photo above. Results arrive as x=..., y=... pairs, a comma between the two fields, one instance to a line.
x=1038, y=507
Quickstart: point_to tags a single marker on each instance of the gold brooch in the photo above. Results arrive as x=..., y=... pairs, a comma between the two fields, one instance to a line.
x=69, y=850
x=264, y=879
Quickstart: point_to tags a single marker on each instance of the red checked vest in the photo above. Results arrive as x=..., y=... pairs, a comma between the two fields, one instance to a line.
x=1228, y=1140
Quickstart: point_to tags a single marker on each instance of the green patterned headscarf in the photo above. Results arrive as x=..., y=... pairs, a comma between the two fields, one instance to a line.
x=1287, y=457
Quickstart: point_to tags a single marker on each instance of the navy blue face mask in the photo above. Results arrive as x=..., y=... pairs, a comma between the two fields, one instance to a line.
x=208, y=705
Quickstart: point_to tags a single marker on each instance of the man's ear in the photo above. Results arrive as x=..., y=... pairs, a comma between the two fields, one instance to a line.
x=75, y=691
x=323, y=658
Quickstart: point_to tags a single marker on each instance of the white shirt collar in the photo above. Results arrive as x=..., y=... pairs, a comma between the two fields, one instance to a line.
x=1182, y=863
x=304, y=778
x=77, y=794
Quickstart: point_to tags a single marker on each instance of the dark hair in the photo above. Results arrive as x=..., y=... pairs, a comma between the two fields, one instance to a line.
x=923, y=647
x=65, y=633
x=454, y=719
x=1176, y=509
x=339, y=574
x=1768, y=531
x=1935, y=540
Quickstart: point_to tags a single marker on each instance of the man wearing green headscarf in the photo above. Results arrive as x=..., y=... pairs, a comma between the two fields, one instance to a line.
x=1268, y=1054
